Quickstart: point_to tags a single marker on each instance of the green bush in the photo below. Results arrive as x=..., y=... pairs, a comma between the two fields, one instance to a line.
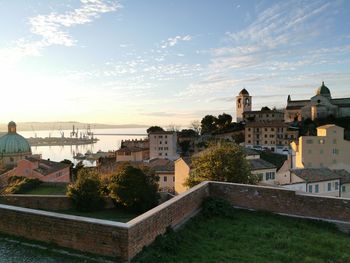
x=20, y=185
x=134, y=189
x=86, y=191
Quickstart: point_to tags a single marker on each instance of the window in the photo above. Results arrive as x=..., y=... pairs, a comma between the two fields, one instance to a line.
x=343, y=188
x=165, y=179
x=160, y=142
x=334, y=141
x=166, y=154
x=309, y=141
x=248, y=141
x=265, y=135
x=265, y=142
x=265, y=129
x=160, y=148
x=248, y=129
x=329, y=187
x=166, y=136
x=336, y=186
x=160, y=154
x=270, y=175
x=310, y=188
x=173, y=178
x=309, y=151
x=272, y=129
x=166, y=142
x=160, y=136
x=316, y=188
x=257, y=136
x=249, y=135
x=335, y=151
x=321, y=151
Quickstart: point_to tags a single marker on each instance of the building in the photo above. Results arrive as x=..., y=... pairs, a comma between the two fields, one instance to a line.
x=243, y=104
x=327, y=149
x=163, y=145
x=321, y=105
x=263, y=115
x=321, y=181
x=142, y=143
x=165, y=170
x=275, y=136
x=132, y=154
x=182, y=172
x=13, y=147
x=264, y=170
x=44, y=170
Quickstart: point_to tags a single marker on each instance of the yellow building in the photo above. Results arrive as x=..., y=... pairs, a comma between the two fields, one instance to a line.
x=275, y=136
x=327, y=149
x=182, y=172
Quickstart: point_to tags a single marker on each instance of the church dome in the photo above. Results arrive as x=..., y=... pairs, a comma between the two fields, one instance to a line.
x=244, y=92
x=13, y=143
x=323, y=90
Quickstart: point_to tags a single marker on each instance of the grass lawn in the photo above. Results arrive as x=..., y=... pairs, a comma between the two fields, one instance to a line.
x=114, y=214
x=253, y=237
x=48, y=190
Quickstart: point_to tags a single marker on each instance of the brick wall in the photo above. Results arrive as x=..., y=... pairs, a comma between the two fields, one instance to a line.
x=84, y=234
x=126, y=240
x=146, y=227
x=282, y=201
x=44, y=202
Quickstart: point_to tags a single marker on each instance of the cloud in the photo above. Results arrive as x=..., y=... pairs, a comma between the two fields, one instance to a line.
x=52, y=28
x=172, y=41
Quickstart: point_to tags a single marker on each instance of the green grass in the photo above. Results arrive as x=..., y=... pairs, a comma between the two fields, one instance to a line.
x=114, y=214
x=48, y=190
x=251, y=237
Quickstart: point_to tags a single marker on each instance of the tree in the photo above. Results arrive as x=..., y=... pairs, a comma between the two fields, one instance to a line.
x=221, y=162
x=154, y=129
x=238, y=137
x=208, y=124
x=86, y=191
x=196, y=126
x=134, y=189
x=223, y=121
x=185, y=147
x=187, y=133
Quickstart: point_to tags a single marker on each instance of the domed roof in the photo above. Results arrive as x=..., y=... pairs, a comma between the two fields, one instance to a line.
x=323, y=90
x=12, y=142
x=244, y=92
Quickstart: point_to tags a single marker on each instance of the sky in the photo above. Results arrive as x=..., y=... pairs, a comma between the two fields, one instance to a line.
x=166, y=62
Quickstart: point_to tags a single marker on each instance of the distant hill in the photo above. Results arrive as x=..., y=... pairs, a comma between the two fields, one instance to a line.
x=41, y=126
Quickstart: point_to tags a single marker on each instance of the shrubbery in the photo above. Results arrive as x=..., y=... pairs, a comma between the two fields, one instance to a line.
x=86, y=191
x=20, y=185
x=134, y=188
x=212, y=207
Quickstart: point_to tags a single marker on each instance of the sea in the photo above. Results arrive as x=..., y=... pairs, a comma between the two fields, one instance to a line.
x=108, y=140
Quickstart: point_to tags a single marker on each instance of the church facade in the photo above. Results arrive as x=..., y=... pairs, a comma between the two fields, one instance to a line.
x=322, y=105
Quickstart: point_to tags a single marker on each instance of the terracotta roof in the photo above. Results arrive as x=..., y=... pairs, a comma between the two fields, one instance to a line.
x=47, y=167
x=311, y=175
x=259, y=164
x=161, y=165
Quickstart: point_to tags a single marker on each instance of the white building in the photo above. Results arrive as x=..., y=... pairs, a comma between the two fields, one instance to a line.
x=163, y=145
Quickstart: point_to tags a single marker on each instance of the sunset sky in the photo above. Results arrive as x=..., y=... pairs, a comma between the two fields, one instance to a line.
x=163, y=62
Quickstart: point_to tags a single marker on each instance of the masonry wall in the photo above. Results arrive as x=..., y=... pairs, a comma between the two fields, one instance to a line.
x=282, y=201
x=44, y=202
x=83, y=234
x=146, y=227
x=127, y=239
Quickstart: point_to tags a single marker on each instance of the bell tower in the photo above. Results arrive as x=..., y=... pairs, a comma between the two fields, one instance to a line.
x=243, y=103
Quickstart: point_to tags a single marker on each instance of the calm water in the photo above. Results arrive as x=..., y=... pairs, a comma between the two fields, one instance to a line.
x=105, y=143
x=15, y=251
